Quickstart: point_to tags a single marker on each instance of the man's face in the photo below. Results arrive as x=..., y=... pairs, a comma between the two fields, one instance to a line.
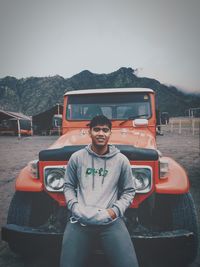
x=100, y=135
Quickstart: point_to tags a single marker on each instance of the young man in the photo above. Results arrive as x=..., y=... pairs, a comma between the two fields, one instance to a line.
x=98, y=189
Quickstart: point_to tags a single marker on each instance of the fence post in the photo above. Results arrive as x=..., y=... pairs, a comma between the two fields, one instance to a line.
x=171, y=128
x=193, y=126
x=199, y=137
x=179, y=131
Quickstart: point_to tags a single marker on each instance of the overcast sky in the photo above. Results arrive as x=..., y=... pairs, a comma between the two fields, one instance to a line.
x=47, y=37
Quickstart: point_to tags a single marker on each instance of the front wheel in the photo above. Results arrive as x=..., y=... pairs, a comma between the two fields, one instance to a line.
x=27, y=209
x=185, y=217
x=178, y=212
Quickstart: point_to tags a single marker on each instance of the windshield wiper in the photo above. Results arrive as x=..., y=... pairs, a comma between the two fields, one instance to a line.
x=132, y=117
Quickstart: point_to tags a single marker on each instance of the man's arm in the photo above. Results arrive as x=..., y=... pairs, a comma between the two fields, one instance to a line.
x=70, y=183
x=126, y=189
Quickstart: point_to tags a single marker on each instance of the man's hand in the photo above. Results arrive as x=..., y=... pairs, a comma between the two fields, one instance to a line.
x=92, y=215
x=112, y=213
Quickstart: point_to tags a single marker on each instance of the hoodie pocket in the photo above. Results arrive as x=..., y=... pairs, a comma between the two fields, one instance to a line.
x=85, y=214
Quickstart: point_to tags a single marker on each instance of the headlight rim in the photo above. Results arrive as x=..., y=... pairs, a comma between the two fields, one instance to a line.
x=149, y=188
x=47, y=186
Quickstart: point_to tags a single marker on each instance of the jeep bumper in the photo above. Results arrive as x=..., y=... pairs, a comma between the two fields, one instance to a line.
x=151, y=244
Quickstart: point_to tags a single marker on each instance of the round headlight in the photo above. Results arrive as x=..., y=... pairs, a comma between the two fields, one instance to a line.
x=142, y=179
x=55, y=178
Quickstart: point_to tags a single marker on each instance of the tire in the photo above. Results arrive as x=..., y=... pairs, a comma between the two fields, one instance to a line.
x=184, y=216
x=20, y=209
x=176, y=212
x=27, y=209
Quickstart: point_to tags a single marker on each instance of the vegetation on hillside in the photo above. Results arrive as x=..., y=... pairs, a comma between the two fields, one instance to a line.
x=34, y=95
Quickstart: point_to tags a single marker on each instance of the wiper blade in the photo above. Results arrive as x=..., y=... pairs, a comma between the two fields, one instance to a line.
x=132, y=117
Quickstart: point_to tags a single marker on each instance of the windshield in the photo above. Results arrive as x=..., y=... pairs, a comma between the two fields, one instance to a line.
x=114, y=106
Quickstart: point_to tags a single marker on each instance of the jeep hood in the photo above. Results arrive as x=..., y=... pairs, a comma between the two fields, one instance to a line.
x=124, y=136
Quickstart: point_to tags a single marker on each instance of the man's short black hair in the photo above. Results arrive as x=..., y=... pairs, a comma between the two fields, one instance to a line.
x=100, y=120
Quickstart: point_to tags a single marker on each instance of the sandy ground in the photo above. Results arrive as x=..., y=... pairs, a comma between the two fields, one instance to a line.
x=15, y=154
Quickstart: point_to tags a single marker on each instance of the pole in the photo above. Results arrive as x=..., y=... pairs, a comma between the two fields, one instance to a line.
x=32, y=125
x=199, y=137
x=18, y=129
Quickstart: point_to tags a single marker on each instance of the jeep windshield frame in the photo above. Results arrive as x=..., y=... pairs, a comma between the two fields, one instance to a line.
x=117, y=106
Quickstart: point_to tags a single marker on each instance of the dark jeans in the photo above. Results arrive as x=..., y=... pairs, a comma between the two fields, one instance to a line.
x=78, y=243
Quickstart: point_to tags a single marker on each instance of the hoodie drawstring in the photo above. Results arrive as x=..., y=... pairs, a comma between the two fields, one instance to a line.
x=93, y=172
x=104, y=171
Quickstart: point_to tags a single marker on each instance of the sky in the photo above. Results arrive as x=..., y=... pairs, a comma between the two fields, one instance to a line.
x=159, y=38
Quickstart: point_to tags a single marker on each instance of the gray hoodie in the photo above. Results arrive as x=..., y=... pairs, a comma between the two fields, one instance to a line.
x=94, y=183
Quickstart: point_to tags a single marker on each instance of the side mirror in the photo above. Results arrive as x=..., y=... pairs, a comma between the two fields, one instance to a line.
x=140, y=122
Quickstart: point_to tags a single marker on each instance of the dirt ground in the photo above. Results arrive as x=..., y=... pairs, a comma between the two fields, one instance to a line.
x=14, y=154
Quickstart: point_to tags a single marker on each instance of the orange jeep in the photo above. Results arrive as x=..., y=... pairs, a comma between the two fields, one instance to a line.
x=162, y=218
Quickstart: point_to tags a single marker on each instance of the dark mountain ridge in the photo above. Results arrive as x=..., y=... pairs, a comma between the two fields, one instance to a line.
x=36, y=94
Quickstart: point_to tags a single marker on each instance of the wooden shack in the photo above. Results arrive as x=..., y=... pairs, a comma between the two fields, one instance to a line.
x=15, y=123
x=44, y=123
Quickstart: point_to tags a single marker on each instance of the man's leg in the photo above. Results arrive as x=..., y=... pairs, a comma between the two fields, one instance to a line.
x=76, y=246
x=117, y=245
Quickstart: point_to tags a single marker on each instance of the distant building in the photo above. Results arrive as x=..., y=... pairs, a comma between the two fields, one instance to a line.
x=14, y=123
x=45, y=123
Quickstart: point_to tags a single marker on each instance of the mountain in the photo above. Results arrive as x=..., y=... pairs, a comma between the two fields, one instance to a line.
x=36, y=94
